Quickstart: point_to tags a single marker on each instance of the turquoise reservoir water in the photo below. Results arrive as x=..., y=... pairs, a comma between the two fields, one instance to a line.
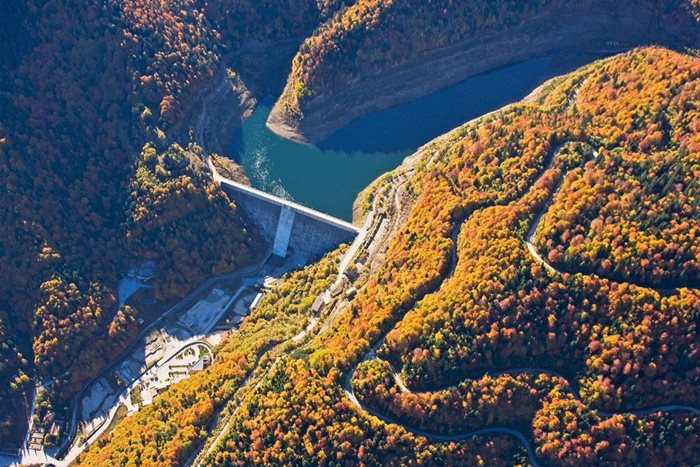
x=328, y=176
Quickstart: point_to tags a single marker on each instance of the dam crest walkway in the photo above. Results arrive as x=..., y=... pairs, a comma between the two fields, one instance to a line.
x=285, y=223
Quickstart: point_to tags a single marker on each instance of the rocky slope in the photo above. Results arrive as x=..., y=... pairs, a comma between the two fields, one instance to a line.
x=84, y=87
x=380, y=53
x=506, y=321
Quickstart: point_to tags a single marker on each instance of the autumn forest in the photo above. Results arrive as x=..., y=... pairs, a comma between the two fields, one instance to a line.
x=526, y=290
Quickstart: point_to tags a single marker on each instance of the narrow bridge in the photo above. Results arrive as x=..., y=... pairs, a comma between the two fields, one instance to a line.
x=289, y=227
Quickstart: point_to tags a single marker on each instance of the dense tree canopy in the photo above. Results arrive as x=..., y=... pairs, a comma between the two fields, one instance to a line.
x=97, y=169
x=88, y=90
x=175, y=210
x=373, y=37
x=569, y=353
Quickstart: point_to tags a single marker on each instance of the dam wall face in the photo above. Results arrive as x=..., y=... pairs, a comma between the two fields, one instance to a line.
x=312, y=238
x=265, y=215
x=291, y=230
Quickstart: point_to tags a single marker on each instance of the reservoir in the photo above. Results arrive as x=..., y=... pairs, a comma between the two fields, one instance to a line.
x=328, y=176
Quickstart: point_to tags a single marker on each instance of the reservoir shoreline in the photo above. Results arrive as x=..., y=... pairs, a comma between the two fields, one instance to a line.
x=572, y=33
x=328, y=176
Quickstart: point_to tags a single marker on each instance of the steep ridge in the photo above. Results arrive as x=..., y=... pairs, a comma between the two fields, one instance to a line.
x=390, y=415
x=466, y=338
x=545, y=365
x=97, y=171
x=380, y=53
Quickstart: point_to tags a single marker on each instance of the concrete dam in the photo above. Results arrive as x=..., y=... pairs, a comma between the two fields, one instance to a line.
x=292, y=229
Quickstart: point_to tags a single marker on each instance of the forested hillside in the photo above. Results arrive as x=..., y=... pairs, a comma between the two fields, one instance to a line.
x=380, y=52
x=167, y=431
x=540, y=303
x=94, y=99
x=538, y=300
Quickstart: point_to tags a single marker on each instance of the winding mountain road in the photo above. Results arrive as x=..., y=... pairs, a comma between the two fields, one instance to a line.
x=442, y=437
x=371, y=238
x=368, y=243
x=530, y=237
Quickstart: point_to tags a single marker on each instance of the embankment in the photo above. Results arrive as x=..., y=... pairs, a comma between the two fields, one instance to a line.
x=566, y=33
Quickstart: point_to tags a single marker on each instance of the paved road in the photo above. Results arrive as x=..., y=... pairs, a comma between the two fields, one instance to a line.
x=363, y=242
x=494, y=430
x=368, y=244
x=57, y=456
x=530, y=237
x=350, y=392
